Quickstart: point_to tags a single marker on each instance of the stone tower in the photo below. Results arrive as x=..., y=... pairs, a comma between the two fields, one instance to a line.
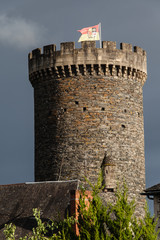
x=89, y=101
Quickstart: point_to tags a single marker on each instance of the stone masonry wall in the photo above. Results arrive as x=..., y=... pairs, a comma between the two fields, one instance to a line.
x=89, y=102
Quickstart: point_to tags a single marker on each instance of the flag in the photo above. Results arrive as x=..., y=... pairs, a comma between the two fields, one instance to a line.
x=89, y=33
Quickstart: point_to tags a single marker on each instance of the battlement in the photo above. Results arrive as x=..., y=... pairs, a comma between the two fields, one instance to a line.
x=69, y=61
x=69, y=47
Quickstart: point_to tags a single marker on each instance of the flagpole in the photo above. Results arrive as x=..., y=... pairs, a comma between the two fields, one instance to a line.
x=100, y=42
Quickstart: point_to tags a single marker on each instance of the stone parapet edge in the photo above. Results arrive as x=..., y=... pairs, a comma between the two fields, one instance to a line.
x=96, y=70
x=88, y=54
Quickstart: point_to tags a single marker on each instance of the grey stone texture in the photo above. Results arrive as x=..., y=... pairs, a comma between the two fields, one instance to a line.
x=88, y=103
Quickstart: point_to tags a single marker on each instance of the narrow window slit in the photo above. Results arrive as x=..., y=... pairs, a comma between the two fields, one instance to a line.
x=110, y=190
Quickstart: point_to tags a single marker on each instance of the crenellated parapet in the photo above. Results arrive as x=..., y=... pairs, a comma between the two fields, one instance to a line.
x=125, y=62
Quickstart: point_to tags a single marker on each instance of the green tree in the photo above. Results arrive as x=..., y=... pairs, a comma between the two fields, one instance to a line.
x=9, y=231
x=116, y=221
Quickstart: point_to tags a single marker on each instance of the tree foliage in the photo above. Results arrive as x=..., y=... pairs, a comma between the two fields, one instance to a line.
x=96, y=221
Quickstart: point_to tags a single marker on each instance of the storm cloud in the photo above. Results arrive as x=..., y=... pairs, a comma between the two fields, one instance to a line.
x=19, y=32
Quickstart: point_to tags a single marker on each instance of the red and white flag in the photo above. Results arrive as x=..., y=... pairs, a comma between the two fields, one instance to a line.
x=90, y=33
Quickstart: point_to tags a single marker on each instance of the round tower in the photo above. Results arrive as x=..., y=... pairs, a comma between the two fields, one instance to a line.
x=89, y=101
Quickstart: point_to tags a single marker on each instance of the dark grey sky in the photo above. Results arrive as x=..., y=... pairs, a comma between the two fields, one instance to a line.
x=25, y=25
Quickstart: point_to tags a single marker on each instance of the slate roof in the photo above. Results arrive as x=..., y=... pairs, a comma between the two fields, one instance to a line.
x=154, y=190
x=107, y=161
x=18, y=200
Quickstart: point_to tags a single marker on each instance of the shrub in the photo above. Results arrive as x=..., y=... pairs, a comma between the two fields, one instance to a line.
x=96, y=221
